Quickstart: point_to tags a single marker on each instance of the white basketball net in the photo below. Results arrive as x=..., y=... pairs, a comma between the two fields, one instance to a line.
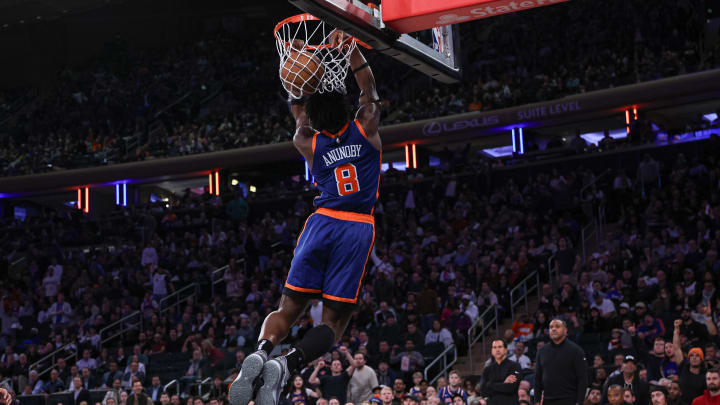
x=310, y=36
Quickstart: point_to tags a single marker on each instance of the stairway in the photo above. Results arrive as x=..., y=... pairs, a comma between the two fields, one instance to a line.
x=479, y=356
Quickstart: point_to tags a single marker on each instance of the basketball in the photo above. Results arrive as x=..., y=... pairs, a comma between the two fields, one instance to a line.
x=301, y=72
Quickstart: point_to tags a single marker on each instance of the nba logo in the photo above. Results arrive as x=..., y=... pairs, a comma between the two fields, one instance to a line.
x=438, y=40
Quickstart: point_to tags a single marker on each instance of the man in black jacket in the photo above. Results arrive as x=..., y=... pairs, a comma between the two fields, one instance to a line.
x=79, y=392
x=560, y=370
x=629, y=379
x=500, y=380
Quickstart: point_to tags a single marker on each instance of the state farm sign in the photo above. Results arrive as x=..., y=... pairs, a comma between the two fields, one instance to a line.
x=401, y=16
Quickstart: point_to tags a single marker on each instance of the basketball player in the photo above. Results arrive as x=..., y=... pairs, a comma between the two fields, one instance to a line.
x=344, y=155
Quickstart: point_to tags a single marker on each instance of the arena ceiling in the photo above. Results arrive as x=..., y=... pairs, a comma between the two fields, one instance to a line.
x=14, y=13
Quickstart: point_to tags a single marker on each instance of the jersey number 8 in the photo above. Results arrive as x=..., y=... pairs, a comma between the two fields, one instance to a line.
x=346, y=179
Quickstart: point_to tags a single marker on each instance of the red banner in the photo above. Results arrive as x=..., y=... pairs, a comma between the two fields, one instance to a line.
x=416, y=15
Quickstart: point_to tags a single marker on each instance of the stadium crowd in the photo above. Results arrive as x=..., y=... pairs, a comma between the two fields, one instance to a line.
x=645, y=310
x=131, y=105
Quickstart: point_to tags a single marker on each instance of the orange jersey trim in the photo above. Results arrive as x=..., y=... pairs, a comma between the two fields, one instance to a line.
x=341, y=299
x=314, y=141
x=300, y=289
x=347, y=216
x=338, y=133
x=357, y=293
x=360, y=128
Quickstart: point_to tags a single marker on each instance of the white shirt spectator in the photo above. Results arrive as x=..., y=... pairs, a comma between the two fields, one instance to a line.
x=523, y=360
x=316, y=310
x=89, y=363
x=149, y=256
x=159, y=284
x=443, y=336
x=60, y=312
x=472, y=311
x=606, y=307
x=51, y=282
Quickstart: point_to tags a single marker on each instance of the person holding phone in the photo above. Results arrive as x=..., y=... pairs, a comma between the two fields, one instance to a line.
x=501, y=378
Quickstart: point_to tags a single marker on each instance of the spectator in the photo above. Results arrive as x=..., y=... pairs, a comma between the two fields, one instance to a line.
x=60, y=311
x=454, y=387
x=438, y=334
x=629, y=378
x=336, y=383
x=659, y=396
x=409, y=360
x=519, y=356
x=134, y=372
x=155, y=390
x=87, y=361
x=712, y=393
x=113, y=392
x=138, y=397
x=80, y=394
x=362, y=382
x=385, y=375
x=297, y=393
x=54, y=384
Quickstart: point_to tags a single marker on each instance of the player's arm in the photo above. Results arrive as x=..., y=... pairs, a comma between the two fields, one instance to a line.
x=303, y=133
x=369, y=112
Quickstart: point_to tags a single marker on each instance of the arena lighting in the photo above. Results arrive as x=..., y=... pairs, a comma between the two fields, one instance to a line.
x=710, y=117
x=595, y=137
x=635, y=112
x=499, y=152
x=414, y=154
x=307, y=171
x=522, y=142
x=121, y=189
x=512, y=135
x=627, y=121
x=79, y=199
x=234, y=182
x=87, y=200
x=217, y=183
x=407, y=157
x=253, y=189
x=400, y=166
x=210, y=182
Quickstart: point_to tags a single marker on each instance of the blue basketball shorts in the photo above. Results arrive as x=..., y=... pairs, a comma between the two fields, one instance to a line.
x=331, y=254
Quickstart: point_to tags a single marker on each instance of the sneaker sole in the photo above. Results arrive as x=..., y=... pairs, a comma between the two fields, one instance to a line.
x=241, y=390
x=272, y=377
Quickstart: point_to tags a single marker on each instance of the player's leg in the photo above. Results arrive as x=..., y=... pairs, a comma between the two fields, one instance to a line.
x=274, y=329
x=304, y=283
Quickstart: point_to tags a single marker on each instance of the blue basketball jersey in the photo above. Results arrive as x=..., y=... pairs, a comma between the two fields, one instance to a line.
x=346, y=167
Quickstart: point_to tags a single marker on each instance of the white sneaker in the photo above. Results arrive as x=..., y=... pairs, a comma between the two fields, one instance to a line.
x=242, y=389
x=275, y=376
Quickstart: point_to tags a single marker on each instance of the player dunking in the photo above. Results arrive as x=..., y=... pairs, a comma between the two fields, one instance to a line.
x=344, y=155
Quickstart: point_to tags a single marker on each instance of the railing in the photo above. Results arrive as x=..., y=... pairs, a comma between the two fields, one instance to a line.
x=124, y=324
x=177, y=386
x=523, y=289
x=214, y=279
x=552, y=273
x=195, y=287
x=446, y=365
x=200, y=384
x=52, y=357
x=586, y=233
x=484, y=325
x=592, y=183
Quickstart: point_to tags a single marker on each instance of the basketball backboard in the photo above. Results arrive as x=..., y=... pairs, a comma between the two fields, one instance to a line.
x=437, y=60
x=386, y=28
